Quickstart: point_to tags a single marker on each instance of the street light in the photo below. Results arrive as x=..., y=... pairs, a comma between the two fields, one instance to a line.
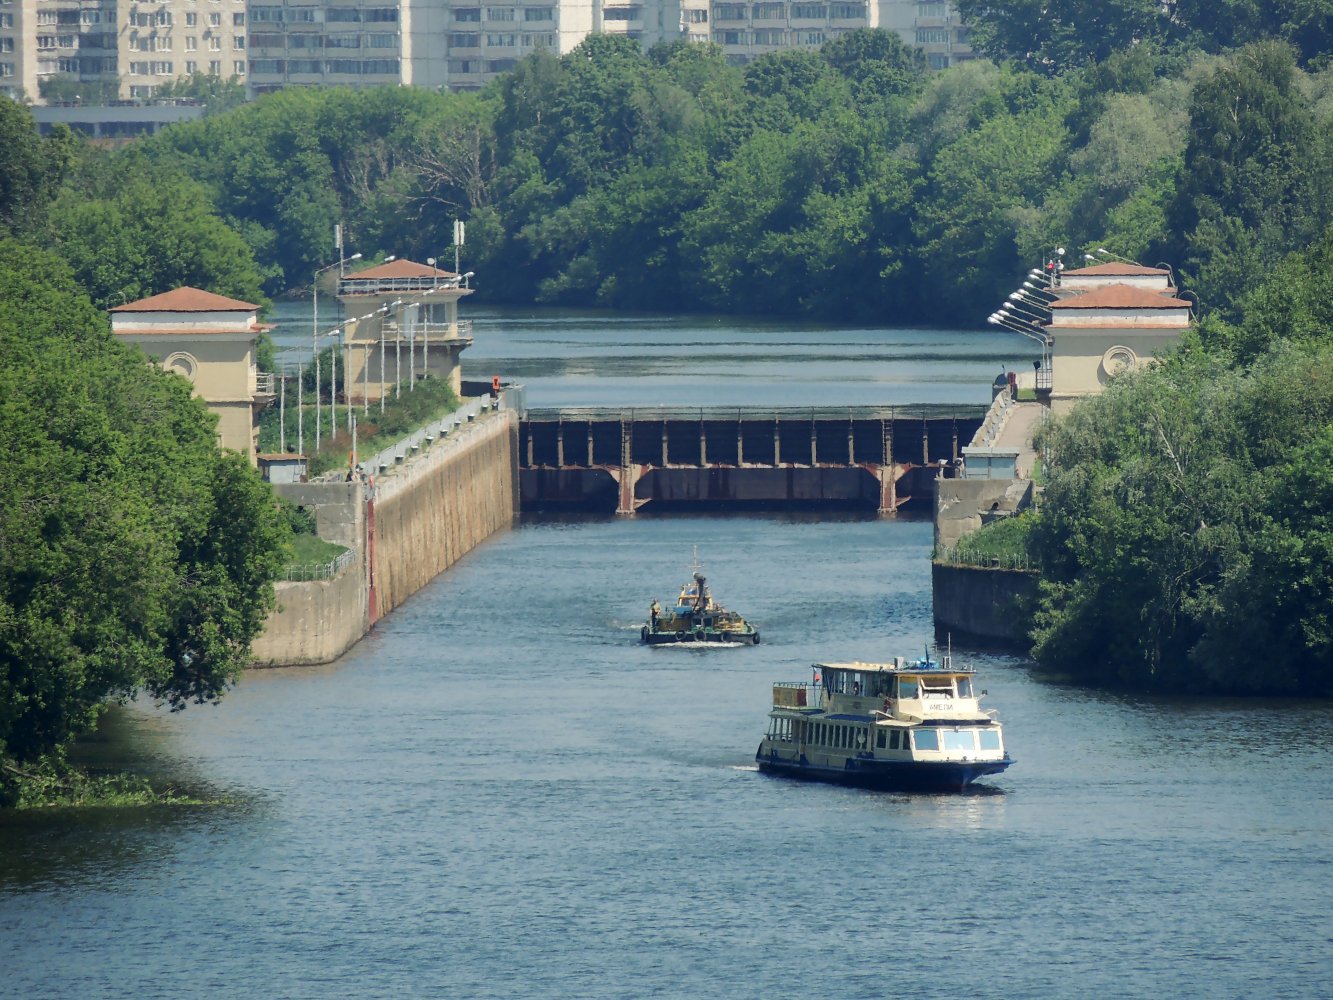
x=314, y=331
x=1116, y=256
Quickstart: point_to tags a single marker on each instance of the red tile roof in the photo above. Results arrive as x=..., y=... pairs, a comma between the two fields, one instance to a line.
x=1121, y=297
x=187, y=299
x=1114, y=268
x=401, y=269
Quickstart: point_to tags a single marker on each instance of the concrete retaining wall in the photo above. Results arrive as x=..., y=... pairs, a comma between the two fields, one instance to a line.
x=437, y=508
x=428, y=513
x=992, y=605
x=316, y=621
x=960, y=504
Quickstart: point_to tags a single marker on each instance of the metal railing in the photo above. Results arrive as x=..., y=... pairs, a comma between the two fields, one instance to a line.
x=952, y=556
x=265, y=383
x=723, y=413
x=405, y=448
x=303, y=572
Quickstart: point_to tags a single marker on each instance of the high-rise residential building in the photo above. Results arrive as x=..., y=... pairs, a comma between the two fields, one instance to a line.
x=748, y=28
x=125, y=49
x=96, y=50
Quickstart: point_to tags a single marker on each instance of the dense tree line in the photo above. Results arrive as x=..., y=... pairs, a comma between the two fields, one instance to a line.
x=848, y=183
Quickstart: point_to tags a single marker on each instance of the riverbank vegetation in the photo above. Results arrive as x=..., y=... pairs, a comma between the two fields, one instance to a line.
x=135, y=557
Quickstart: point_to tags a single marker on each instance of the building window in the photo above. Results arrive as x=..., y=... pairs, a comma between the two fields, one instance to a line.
x=238, y=20
x=809, y=11
x=622, y=13
x=729, y=37
x=932, y=36
x=501, y=14
x=272, y=14
x=539, y=14
x=729, y=12
x=696, y=17
x=265, y=66
x=382, y=41
x=215, y=67
x=191, y=19
x=238, y=67
x=238, y=42
x=932, y=9
x=770, y=36
x=769, y=12
x=382, y=15
x=380, y=66
x=215, y=20
x=191, y=66
x=847, y=11
x=458, y=40
x=191, y=43
x=341, y=16
x=502, y=41
x=813, y=37
x=343, y=41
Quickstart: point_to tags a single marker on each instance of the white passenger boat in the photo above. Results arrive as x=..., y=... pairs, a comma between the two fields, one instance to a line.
x=901, y=726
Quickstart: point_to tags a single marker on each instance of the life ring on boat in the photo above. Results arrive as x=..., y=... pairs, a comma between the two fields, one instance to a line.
x=700, y=635
x=756, y=638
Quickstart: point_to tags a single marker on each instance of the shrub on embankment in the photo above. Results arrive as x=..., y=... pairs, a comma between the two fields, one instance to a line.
x=1185, y=539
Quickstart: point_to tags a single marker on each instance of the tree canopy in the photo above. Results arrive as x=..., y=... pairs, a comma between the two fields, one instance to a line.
x=134, y=555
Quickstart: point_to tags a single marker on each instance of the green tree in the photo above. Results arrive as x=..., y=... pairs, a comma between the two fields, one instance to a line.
x=1248, y=187
x=1184, y=527
x=30, y=168
x=134, y=555
x=129, y=232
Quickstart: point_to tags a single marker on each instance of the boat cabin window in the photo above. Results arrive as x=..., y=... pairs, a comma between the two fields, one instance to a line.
x=964, y=686
x=937, y=686
x=961, y=740
x=894, y=738
x=926, y=739
x=908, y=687
x=989, y=739
x=882, y=739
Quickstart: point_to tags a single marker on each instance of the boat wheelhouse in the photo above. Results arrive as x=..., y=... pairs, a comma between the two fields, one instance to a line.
x=895, y=726
x=696, y=617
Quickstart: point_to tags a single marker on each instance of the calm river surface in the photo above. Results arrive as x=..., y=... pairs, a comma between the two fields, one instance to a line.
x=499, y=793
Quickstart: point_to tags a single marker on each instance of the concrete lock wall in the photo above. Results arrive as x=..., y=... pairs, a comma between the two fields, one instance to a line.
x=973, y=602
x=960, y=504
x=428, y=513
x=315, y=622
x=434, y=510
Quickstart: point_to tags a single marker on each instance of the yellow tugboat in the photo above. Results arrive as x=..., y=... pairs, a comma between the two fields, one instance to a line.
x=696, y=617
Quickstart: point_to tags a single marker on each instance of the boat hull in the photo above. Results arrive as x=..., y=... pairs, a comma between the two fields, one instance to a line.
x=887, y=775
x=652, y=638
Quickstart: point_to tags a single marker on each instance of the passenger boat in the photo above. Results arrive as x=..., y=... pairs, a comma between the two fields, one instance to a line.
x=911, y=726
x=697, y=618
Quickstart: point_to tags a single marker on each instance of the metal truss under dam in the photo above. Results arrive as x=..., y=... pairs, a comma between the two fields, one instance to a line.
x=621, y=459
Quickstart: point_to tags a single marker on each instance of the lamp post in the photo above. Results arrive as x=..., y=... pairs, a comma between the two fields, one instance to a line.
x=340, y=263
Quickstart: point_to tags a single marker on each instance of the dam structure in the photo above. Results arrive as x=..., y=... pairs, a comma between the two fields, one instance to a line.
x=621, y=459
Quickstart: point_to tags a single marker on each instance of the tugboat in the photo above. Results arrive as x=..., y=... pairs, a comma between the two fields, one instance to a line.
x=697, y=618
x=896, y=726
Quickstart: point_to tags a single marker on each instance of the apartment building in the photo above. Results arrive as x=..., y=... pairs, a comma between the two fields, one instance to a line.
x=745, y=29
x=129, y=49
x=116, y=50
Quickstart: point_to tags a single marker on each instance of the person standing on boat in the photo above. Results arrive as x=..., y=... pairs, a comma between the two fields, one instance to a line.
x=653, y=612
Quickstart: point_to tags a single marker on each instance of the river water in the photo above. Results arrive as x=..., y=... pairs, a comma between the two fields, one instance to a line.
x=499, y=793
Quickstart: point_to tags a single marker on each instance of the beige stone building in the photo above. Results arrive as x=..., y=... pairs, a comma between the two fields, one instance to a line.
x=1109, y=318
x=210, y=340
x=402, y=324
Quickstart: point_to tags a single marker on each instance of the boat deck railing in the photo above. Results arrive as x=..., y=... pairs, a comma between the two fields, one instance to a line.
x=795, y=694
